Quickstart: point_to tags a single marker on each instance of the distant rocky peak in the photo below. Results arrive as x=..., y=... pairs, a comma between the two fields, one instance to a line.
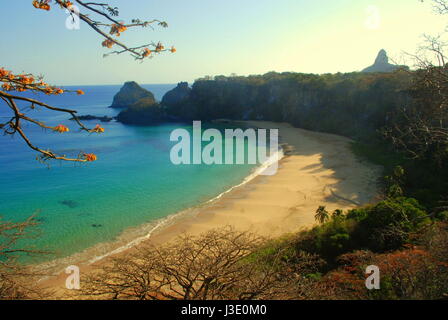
x=382, y=64
x=382, y=57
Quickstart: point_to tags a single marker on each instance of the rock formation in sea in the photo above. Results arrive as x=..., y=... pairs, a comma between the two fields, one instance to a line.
x=176, y=103
x=140, y=106
x=144, y=112
x=130, y=94
x=177, y=95
x=382, y=64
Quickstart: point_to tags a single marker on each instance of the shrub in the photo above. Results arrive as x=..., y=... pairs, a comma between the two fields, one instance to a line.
x=329, y=239
x=388, y=224
x=411, y=274
x=407, y=274
x=442, y=216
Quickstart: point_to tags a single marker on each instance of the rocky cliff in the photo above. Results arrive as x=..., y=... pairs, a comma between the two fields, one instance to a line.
x=140, y=106
x=177, y=103
x=176, y=96
x=351, y=104
x=143, y=113
x=130, y=94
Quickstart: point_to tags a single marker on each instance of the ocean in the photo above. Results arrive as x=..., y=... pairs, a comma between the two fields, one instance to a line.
x=132, y=183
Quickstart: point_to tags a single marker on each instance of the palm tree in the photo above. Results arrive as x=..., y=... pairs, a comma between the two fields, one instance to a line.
x=337, y=213
x=321, y=215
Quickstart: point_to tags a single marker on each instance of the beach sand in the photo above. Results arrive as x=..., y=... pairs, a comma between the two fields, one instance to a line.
x=318, y=169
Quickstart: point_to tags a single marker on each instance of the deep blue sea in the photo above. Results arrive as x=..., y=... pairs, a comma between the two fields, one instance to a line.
x=132, y=183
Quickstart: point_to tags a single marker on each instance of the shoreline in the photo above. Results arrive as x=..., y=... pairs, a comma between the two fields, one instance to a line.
x=133, y=236
x=317, y=169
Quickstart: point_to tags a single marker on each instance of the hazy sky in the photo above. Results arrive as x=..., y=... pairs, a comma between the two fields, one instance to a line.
x=215, y=37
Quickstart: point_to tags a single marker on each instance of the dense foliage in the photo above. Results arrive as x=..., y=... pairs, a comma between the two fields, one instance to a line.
x=353, y=104
x=410, y=249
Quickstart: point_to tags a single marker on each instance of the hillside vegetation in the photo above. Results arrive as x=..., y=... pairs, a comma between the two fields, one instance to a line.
x=353, y=104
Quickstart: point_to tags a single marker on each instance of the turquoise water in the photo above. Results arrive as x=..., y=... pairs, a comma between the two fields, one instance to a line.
x=132, y=183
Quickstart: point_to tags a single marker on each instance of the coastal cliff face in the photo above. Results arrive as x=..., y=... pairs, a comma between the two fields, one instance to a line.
x=177, y=103
x=177, y=96
x=142, y=113
x=351, y=104
x=130, y=94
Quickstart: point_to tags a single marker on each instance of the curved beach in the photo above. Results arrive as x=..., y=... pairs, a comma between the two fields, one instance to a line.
x=317, y=169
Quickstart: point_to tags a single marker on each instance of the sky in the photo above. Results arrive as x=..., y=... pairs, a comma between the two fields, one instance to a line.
x=216, y=37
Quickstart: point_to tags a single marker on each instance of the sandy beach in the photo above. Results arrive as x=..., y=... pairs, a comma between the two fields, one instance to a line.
x=318, y=169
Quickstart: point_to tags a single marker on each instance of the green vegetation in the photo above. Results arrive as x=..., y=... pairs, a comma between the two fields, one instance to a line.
x=396, y=235
x=354, y=104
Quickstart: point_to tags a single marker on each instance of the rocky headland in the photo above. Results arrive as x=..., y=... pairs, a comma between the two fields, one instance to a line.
x=350, y=104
